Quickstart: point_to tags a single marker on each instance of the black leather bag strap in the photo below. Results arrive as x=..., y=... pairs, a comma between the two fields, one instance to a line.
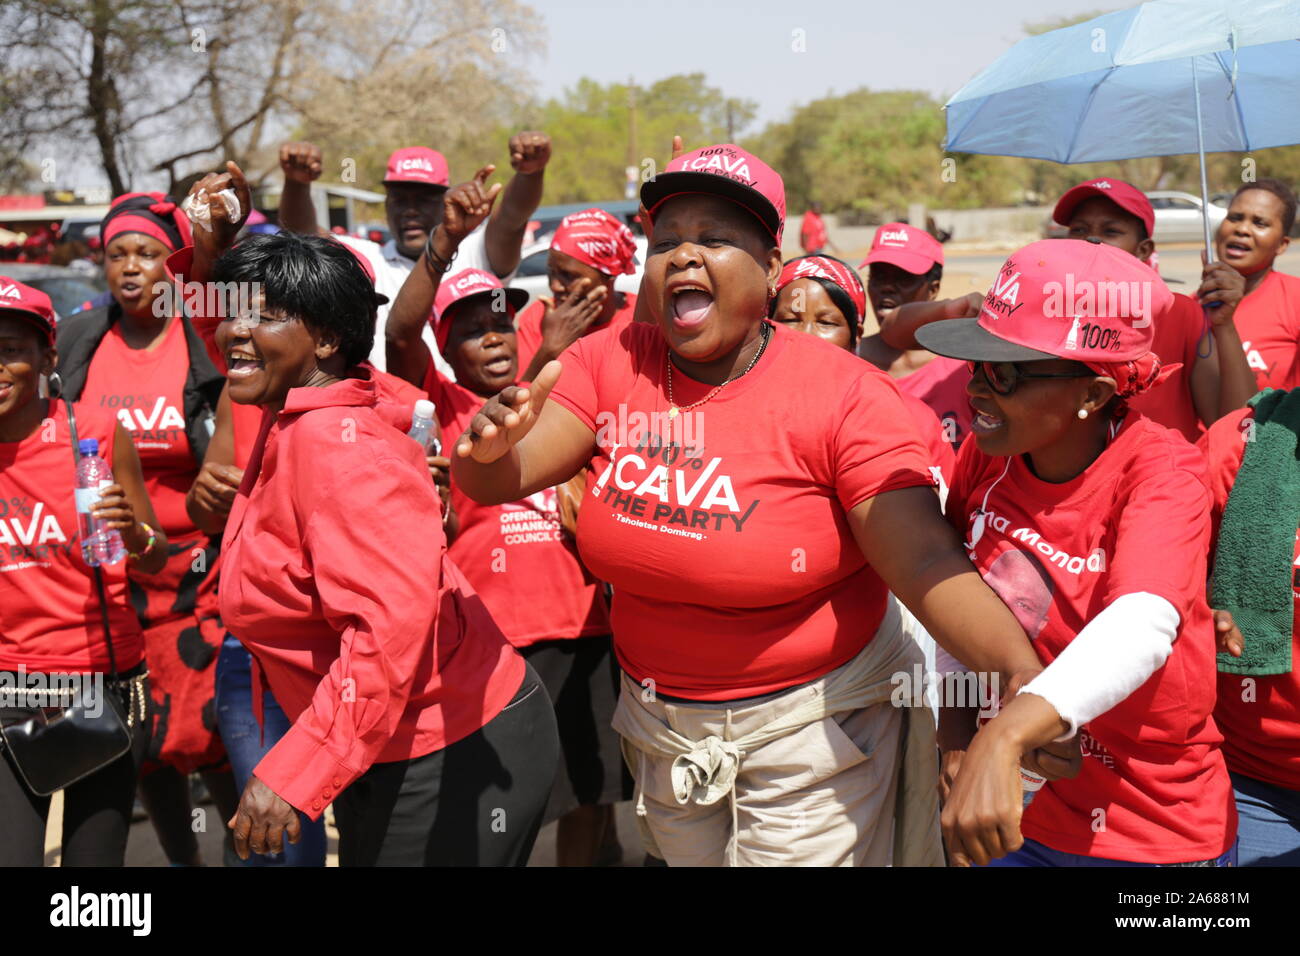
x=99, y=574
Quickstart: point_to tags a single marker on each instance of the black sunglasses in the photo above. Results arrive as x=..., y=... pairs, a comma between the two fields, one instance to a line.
x=1005, y=377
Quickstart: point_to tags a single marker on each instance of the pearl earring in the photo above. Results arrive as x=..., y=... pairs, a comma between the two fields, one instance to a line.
x=1083, y=413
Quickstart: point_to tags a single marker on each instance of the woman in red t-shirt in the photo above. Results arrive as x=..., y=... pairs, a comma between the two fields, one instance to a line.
x=517, y=555
x=411, y=713
x=51, y=621
x=755, y=494
x=589, y=251
x=1257, y=572
x=1092, y=523
x=1255, y=232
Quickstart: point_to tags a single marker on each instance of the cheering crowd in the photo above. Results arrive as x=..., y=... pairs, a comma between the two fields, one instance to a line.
x=683, y=547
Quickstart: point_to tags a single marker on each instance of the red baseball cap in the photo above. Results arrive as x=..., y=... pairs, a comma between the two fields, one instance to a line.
x=1125, y=195
x=463, y=285
x=830, y=268
x=1060, y=298
x=417, y=164
x=724, y=170
x=31, y=304
x=910, y=248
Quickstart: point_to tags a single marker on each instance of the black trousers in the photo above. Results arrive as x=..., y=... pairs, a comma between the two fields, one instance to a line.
x=478, y=802
x=96, y=810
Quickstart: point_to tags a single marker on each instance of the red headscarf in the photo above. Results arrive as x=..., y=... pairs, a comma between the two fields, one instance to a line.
x=1136, y=376
x=153, y=214
x=595, y=237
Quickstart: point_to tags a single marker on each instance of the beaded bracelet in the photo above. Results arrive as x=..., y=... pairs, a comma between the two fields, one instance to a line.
x=153, y=539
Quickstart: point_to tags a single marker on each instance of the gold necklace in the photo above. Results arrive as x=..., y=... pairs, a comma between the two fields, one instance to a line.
x=673, y=410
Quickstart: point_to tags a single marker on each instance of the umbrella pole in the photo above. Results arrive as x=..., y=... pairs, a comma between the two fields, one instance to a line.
x=1200, y=149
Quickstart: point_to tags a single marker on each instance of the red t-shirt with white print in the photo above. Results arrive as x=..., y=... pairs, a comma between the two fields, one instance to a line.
x=724, y=530
x=1268, y=321
x=1259, y=716
x=49, y=606
x=516, y=555
x=941, y=384
x=1154, y=787
x=145, y=389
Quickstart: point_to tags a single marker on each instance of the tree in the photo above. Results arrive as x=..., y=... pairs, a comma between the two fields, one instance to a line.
x=177, y=85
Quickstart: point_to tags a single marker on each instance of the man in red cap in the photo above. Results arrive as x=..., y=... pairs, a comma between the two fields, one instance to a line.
x=415, y=181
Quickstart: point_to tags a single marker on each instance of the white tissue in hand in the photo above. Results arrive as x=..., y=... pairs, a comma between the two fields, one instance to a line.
x=201, y=215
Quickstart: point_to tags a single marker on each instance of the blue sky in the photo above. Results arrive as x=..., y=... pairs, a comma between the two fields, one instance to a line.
x=746, y=48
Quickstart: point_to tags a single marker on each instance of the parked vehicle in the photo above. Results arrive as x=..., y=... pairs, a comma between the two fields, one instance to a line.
x=68, y=289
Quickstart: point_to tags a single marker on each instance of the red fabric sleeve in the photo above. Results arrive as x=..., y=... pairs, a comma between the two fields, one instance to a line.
x=577, y=389
x=376, y=579
x=1224, y=448
x=965, y=471
x=1163, y=538
x=179, y=265
x=876, y=446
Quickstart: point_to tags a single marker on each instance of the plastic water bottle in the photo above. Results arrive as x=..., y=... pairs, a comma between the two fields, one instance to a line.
x=99, y=543
x=422, y=428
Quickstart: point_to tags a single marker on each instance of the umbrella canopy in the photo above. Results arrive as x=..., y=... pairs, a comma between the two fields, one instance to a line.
x=1123, y=85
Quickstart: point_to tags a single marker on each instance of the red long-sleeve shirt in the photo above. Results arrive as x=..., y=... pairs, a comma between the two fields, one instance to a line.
x=336, y=578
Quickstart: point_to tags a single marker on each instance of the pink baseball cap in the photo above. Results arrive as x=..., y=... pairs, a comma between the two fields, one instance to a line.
x=831, y=269
x=1060, y=298
x=417, y=164
x=1125, y=195
x=910, y=248
x=725, y=170
x=463, y=285
x=32, y=304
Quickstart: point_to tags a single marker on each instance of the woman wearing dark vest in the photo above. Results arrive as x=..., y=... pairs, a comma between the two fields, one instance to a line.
x=51, y=616
x=140, y=360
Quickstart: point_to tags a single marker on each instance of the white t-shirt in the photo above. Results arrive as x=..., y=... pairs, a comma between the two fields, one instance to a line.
x=392, y=268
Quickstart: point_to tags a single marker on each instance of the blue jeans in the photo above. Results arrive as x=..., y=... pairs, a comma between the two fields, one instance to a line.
x=1268, y=822
x=1034, y=853
x=246, y=745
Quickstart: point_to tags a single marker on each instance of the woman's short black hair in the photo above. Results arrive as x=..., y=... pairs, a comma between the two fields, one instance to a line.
x=935, y=274
x=1283, y=192
x=311, y=278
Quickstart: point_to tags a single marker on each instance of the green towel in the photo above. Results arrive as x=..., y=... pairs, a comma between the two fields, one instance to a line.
x=1253, y=562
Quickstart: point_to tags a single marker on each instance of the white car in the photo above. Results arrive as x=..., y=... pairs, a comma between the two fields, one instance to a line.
x=1178, y=216
x=531, y=274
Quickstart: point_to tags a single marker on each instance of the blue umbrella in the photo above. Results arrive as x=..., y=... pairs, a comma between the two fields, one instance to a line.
x=1166, y=77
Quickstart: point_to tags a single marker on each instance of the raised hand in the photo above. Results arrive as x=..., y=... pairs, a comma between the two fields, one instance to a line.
x=1222, y=284
x=504, y=421
x=564, y=322
x=224, y=229
x=301, y=162
x=530, y=151
x=465, y=206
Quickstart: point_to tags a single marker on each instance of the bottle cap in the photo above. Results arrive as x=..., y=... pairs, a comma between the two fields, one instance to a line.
x=424, y=409
x=88, y=446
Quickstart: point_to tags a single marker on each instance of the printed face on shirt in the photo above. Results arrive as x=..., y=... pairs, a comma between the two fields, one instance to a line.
x=481, y=346
x=563, y=272
x=414, y=211
x=706, y=279
x=1100, y=218
x=1024, y=587
x=1040, y=412
x=268, y=355
x=134, y=270
x=24, y=358
x=888, y=286
x=804, y=306
x=1251, y=236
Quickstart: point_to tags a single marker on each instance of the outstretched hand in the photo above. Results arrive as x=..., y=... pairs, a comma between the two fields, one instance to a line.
x=224, y=229
x=506, y=418
x=465, y=206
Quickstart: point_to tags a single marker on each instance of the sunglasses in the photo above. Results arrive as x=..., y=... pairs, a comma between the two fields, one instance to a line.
x=1005, y=377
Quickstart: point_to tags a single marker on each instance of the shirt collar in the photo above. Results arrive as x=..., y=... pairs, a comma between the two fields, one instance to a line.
x=349, y=392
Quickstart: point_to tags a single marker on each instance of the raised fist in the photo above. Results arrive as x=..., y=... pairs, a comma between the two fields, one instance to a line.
x=530, y=151
x=301, y=162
